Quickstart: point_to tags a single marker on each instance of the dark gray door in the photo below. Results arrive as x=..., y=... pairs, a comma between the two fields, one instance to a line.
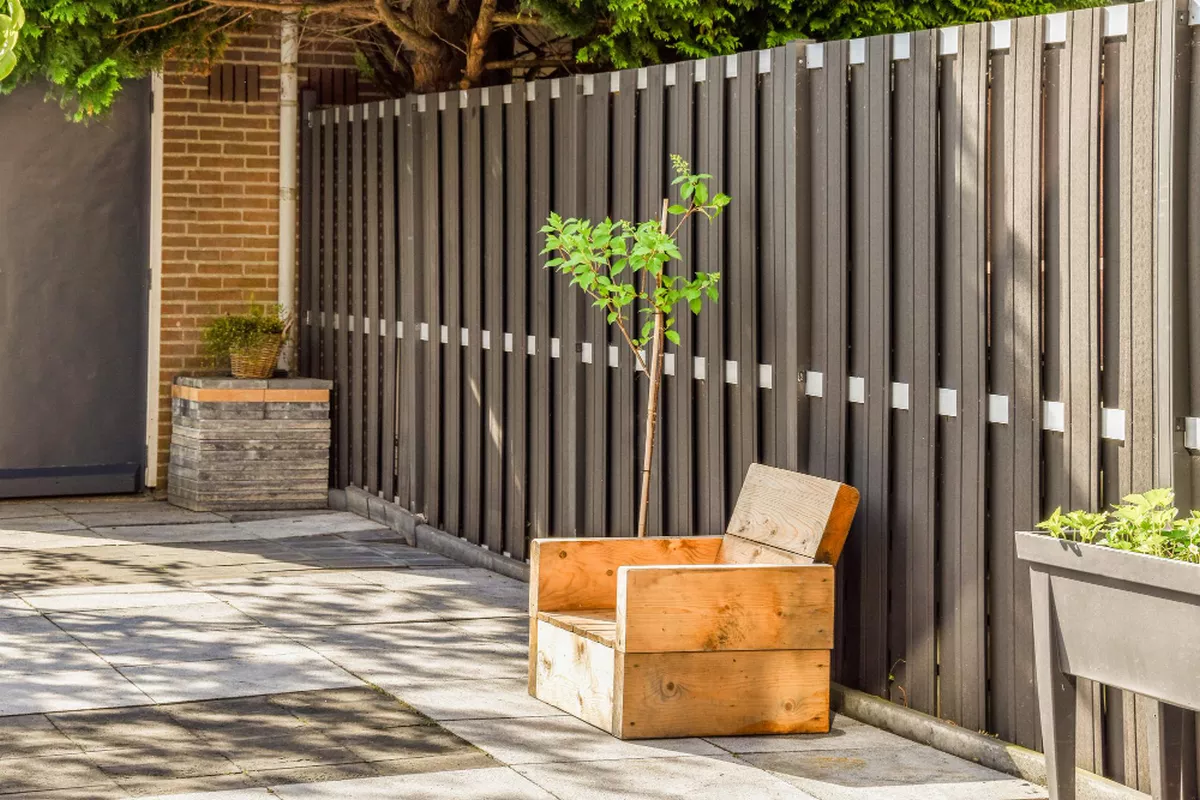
x=74, y=219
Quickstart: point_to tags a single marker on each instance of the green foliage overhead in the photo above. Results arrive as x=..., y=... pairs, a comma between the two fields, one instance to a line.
x=86, y=49
x=10, y=27
x=636, y=32
x=1145, y=523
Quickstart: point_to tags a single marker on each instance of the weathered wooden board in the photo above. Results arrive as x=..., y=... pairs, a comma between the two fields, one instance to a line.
x=575, y=674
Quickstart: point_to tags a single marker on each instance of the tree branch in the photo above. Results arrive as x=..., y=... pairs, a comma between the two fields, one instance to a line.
x=407, y=35
x=304, y=9
x=477, y=44
x=502, y=18
x=529, y=63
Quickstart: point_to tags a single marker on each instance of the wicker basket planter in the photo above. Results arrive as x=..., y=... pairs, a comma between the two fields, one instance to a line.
x=257, y=361
x=249, y=444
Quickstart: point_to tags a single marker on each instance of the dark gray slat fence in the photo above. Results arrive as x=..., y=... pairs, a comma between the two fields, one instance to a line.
x=430, y=390
x=977, y=201
x=375, y=330
x=358, y=318
x=389, y=311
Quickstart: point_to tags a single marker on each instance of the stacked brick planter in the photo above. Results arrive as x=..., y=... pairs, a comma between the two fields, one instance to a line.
x=249, y=444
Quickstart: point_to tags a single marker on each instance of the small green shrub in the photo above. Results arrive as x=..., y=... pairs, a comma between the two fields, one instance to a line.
x=1143, y=523
x=238, y=331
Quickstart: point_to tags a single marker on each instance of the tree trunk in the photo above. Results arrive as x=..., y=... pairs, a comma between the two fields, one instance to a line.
x=657, y=354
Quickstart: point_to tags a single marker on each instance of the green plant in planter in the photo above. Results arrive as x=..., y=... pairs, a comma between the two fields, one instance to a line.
x=1142, y=523
x=232, y=333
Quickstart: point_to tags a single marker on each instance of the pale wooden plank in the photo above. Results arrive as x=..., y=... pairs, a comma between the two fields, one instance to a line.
x=721, y=694
x=596, y=624
x=574, y=674
x=724, y=607
x=571, y=574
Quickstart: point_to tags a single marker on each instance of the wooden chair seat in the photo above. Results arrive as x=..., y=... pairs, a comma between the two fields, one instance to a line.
x=697, y=636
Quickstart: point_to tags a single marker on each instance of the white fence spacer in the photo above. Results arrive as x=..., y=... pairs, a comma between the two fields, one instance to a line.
x=766, y=376
x=643, y=78
x=1116, y=21
x=555, y=347
x=948, y=402
x=308, y=318
x=1056, y=28
x=669, y=75
x=1194, y=12
x=531, y=345
x=466, y=337
x=901, y=47
x=382, y=327
x=998, y=409
x=814, y=384
x=337, y=322
x=420, y=103
x=1112, y=424
x=424, y=331
x=731, y=372
x=857, y=390
x=399, y=329
x=701, y=74
x=699, y=369
x=948, y=42
x=614, y=356
x=730, y=66
x=530, y=91
x=589, y=85
x=463, y=98
x=508, y=342
x=858, y=51
x=764, y=61
x=322, y=319
x=445, y=334
x=350, y=319
x=555, y=89
x=814, y=54
x=669, y=363
x=1054, y=416
x=441, y=102
x=486, y=338
x=900, y=396
x=1191, y=433
x=1000, y=35
x=585, y=352
x=508, y=93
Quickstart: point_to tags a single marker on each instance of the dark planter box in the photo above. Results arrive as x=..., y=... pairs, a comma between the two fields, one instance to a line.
x=1124, y=619
x=249, y=444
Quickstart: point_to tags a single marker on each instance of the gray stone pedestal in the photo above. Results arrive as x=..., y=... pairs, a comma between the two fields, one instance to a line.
x=249, y=444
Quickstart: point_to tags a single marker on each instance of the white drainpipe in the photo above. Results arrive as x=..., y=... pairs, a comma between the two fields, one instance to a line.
x=289, y=117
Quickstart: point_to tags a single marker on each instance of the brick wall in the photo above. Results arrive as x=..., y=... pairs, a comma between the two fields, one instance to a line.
x=220, y=204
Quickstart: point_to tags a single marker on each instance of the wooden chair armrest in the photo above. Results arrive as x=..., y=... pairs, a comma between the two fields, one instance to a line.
x=572, y=574
x=725, y=607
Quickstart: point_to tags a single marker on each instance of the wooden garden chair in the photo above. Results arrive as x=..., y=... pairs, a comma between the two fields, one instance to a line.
x=697, y=636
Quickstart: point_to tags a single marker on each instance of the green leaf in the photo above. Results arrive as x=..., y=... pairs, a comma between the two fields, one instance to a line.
x=672, y=337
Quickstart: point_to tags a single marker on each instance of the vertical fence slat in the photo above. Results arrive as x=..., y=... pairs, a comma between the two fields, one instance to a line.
x=310, y=272
x=540, y=279
x=357, y=299
x=431, y=319
x=963, y=371
x=408, y=421
x=624, y=452
x=788, y=258
x=390, y=269
x=374, y=330
x=328, y=259
x=1014, y=445
x=472, y=212
x=493, y=319
x=342, y=320
x=449, y=337
x=652, y=189
x=710, y=257
x=914, y=455
x=517, y=292
x=679, y=398
x=596, y=374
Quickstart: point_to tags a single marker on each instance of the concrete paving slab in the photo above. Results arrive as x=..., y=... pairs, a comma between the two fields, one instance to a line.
x=47, y=524
x=23, y=510
x=477, y=784
x=660, y=779
x=122, y=729
x=231, y=794
x=23, y=776
x=63, y=538
x=139, y=514
x=112, y=598
x=417, y=666
x=544, y=740
x=33, y=735
x=844, y=734
x=237, y=677
x=23, y=692
x=173, y=645
x=907, y=773
x=487, y=699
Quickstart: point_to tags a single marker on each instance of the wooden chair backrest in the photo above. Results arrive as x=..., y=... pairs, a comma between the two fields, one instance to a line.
x=785, y=517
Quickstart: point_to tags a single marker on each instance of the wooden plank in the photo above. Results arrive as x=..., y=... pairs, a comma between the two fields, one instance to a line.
x=540, y=281
x=736, y=550
x=328, y=264
x=742, y=300
x=799, y=513
x=409, y=418
x=495, y=437
x=597, y=108
x=830, y=296
x=450, y=342
x=624, y=487
x=374, y=311
x=575, y=674
x=342, y=320
x=652, y=189
x=914, y=455
x=430, y=348
x=724, y=607
x=711, y=257
x=962, y=369
x=516, y=270
x=597, y=624
x=1072, y=300
x=391, y=274
x=357, y=296
x=722, y=693
x=310, y=233
x=571, y=574
x=1014, y=468
x=473, y=426
x=570, y=308
x=679, y=402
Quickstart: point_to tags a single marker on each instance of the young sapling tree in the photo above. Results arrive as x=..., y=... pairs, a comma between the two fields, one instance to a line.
x=626, y=269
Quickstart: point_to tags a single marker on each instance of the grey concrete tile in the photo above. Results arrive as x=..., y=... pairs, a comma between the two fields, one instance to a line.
x=336, y=522
x=159, y=760
x=33, y=735
x=229, y=794
x=237, y=784
x=185, y=533
x=417, y=666
x=21, y=776
x=65, y=690
x=482, y=699
x=143, y=514
x=907, y=773
x=410, y=741
x=315, y=774
x=11, y=527
x=22, y=510
x=540, y=740
x=11, y=605
x=476, y=784
x=108, y=791
x=238, y=677
x=292, y=607
x=114, y=597
x=42, y=652
x=61, y=538
x=182, y=644
x=122, y=729
x=289, y=751
x=660, y=779
x=110, y=623
x=225, y=722
x=844, y=734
